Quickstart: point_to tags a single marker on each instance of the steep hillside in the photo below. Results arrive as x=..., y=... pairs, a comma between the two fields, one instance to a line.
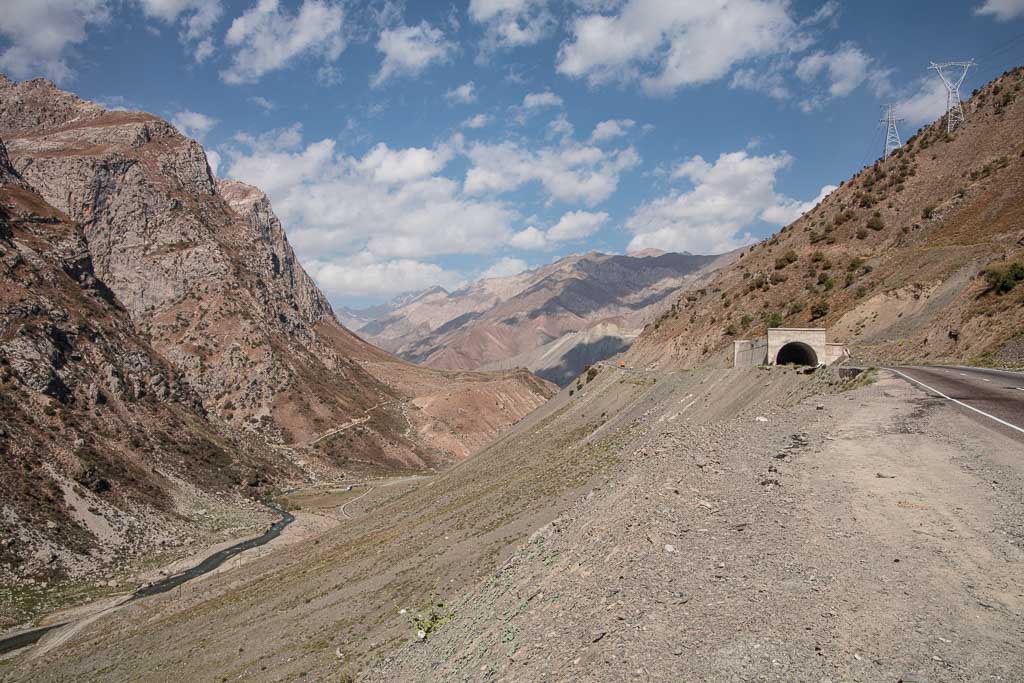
x=912, y=260
x=206, y=274
x=105, y=451
x=553, y=320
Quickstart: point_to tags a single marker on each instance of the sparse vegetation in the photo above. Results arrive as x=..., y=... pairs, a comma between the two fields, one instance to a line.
x=819, y=310
x=1003, y=280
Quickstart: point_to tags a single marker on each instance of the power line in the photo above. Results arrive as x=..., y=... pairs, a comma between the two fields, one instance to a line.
x=892, y=131
x=947, y=72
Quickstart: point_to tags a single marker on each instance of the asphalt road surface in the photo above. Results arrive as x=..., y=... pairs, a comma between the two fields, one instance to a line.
x=992, y=396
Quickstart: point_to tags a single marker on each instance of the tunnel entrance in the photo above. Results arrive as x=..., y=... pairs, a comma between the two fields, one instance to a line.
x=796, y=353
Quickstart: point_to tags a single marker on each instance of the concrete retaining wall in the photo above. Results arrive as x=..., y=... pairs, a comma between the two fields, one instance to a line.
x=749, y=354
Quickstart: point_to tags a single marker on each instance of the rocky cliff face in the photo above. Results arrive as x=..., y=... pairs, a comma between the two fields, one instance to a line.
x=204, y=269
x=103, y=444
x=553, y=320
x=162, y=343
x=918, y=258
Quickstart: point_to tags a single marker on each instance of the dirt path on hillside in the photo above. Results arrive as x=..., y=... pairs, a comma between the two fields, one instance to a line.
x=874, y=535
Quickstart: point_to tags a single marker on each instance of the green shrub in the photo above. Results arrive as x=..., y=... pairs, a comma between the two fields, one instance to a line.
x=862, y=233
x=819, y=310
x=927, y=212
x=730, y=330
x=773, y=319
x=746, y=320
x=876, y=223
x=1003, y=280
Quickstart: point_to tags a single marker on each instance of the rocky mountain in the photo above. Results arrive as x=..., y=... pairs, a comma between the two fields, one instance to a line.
x=553, y=320
x=102, y=439
x=178, y=343
x=918, y=258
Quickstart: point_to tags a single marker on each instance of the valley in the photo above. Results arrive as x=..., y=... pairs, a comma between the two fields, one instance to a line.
x=474, y=435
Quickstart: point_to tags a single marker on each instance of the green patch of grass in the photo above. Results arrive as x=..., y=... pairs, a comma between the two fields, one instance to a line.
x=864, y=379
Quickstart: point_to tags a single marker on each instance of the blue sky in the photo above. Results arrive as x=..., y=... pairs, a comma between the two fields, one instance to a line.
x=411, y=144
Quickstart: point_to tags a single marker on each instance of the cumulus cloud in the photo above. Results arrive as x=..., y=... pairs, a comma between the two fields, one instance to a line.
x=1001, y=10
x=612, y=128
x=408, y=50
x=539, y=100
x=42, y=32
x=197, y=19
x=504, y=267
x=213, y=159
x=845, y=70
x=478, y=121
x=263, y=103
x=926, y=103
x=665, y=46
x=265, y=38
x=511, y=23
x=193, y=124
x=788, y=210
x=365, y=275
x=711, y=217
x=530, y=238
x=388, y=203
x=464, y=94
x=576, y=225
x=569, y=172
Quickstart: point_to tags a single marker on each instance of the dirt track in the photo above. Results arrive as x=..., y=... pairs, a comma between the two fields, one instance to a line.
x=681, y=538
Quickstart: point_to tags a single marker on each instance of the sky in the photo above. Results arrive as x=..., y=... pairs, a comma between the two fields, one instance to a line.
x=412, y=144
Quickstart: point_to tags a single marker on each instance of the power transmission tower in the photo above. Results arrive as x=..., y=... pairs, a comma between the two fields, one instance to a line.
x=892, y=131
x=947, y=72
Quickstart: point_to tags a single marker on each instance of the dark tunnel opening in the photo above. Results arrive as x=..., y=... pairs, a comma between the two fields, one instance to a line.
x=796, y=353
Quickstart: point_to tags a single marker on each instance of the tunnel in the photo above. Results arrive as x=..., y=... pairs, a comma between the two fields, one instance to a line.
x=796, y=353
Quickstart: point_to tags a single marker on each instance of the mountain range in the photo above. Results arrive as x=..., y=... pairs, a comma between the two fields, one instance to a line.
x=554, y=320
x=161, y=344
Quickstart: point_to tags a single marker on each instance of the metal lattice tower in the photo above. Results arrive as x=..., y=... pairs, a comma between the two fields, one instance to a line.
x=892, y=131
x=947, y=72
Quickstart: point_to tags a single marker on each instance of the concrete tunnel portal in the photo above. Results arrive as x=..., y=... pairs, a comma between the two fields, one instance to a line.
x=796, y=353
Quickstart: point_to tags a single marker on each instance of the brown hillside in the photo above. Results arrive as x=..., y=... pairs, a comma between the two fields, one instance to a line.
x=895, y=262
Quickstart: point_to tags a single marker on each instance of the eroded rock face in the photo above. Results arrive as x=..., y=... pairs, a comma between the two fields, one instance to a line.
x=204, y=269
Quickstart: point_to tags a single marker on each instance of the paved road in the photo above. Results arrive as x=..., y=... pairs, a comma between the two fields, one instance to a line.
x=992, y=396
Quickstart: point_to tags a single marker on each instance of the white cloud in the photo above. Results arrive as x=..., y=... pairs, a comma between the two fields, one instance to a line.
x=560, y=126
x=770, y=83
x=386, y=165
x=408, y=50
x=846, y=68
x=569, y=172
x=363, y=275
x=530, y=238
x=576, y=225
x=1001, y=10
x=925, y=104
x=538, y=100
x=687, y=43
x=788, y=210
x=198, y=18
x=511, y=23
x=478, y=121
x=465, y=93
x=213, y=159
x=386, y=203
x=266, y=39
x=193, y=124
x=41, y=33
x=612, y=128
x=263, y=103
x=504, y=267
x=725, y=198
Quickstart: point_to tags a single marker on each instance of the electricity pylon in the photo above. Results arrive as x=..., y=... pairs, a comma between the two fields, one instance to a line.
x=892, y=132
x=947, y=72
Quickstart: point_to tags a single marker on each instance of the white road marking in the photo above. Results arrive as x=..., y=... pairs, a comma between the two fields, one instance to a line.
x=961, y=403
x=985, y=380
x=963, y=374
